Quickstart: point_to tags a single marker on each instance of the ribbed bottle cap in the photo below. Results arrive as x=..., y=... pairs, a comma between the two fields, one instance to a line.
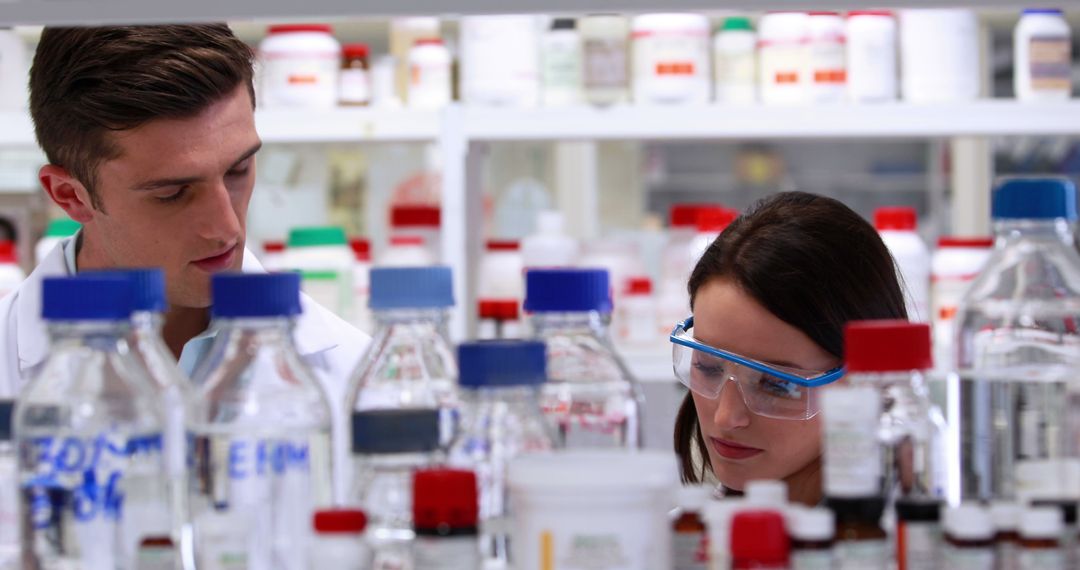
x=316, y=236
x=766, y=493
x=148, y=287
x=1035, y=199
x=7, y=407
x=856, y=509
x=62, y=227
x=411, y=288
x=1006, y=516
x=759, y=537
x=240, y=295
x=86, y=297
x=887, y=346
x=345, y=521
x=968, y=522
x=411, y=216
x=567, y=291
x=395, y=431
x=817, y=524
x=495, y=363
x=445, y=499
x=8, y=252
x=1042, y=523
x=898, y=218
x=694, y=497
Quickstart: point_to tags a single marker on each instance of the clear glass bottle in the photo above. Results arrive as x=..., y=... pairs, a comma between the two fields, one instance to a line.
x=500, y=420
x=388, y=447
x=590, y=398
x=893, y=357
x=261, y=427
x=445, y=518
x=89, y=430
x=9, y=492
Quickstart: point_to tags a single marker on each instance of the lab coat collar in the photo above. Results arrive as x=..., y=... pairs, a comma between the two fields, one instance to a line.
x=33, y=337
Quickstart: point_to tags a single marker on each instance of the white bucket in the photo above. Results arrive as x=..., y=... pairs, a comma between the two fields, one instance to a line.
x=592, y=510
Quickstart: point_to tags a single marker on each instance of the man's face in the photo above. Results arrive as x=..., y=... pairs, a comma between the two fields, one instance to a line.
x=177, y=197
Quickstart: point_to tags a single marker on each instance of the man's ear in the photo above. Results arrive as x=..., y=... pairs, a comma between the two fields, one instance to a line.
x=67, y=192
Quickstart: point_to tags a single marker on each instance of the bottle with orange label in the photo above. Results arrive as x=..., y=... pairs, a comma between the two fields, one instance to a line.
x=671, y=58
x=783, y=57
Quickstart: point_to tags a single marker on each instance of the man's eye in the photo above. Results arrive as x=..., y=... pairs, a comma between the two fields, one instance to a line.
x=174, y=196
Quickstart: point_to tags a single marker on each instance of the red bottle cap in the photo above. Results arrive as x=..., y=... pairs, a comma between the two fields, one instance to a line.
x=685, y=215
x=355, y=50
x=887, y=346
x=428, y=42
x=895, y=218
x=406, y=240
x=340, y=520
x=361, y=248
x=884, y=13
x=499, y=309
x=503, y=245
x=758, y=539
x=445, y=498
x=639, y=286
x=8, y=254
x=273, y=246
x=715, y=219
x=976, y=242
x=429, y=216
x=299, y=28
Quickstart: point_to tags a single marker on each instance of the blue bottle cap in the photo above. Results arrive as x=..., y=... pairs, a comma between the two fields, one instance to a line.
x=567, y=291
x=240, y=295
x=411, y=288
x=1049, y=11
x=88, y=297
x=413, y=430
x=497, y=363
x=147, y=287
x=1035, y=199
x=6, y=409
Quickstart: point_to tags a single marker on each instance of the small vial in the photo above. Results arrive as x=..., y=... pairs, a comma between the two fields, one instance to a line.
x=969, y=538
x=1006, y=517
x=339, y=540
x=445, y=517
x=861, y=543
x=1041, y=529
x=1069, y=539
x=813, y=533
x=759, y=541
x=918, y=534
x=690, y=547
x=767, y=493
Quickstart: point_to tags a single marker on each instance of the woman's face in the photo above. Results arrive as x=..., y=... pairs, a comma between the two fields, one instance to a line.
x=744, y=446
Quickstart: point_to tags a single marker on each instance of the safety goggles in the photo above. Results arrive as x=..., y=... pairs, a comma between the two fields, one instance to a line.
x=768, y=390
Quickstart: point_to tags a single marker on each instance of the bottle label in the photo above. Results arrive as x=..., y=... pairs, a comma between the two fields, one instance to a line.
x=862, y=554
x=605, y=64
x=690, y=551
x=812, y=560
x=429, y=84
x=562, y=69
x=355, y=86
x=455, y=553
x=288, y=80
x=783, y=72
x=1042, y=558
x=852, y=455
x=670, y=56
x=955, y=558
x=827, y=63
x=918, y=545
x=157, y=557
x=1008, y=555
x=1050, y=62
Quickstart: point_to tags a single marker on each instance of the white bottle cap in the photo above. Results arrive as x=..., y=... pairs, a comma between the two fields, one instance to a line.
x=815, y=524
x=718, y=515
x=1042, y=523
x=766, y=493
x=694, y=497
x=968, y=522
x=1006, y=516
x=549, y=222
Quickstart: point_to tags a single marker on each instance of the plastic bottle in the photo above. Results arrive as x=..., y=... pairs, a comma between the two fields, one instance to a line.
x=813, y=535
x=918, y=534
x=10, y=549
x=893, y=357
x=953, y=268
x=1018, y=342
x=562, y=64
x=718, y=515
x=406, y=251
x=430, y=80
x=273, y=257
x=689, y=541
x=549, y=246
x=500, y=60
x=388, y=447
x=897, y=228
x=671, y=59
x=636, y=315
x=852, y=456
x=90, y=427
x=590, y=397
x=339, y=540
x=299, y=67
x=501, y=290
x=404, y=33
x=860, y=541
x=1006, y=517
x=1042, y=56
x=325, y=261
x=710, y=223
x=871, y=56
x=500, y=420
x=783, y=57
x=1041, y=531
x=939, y=55
x=55, y=232
x=969, y=538
x=354, y=83
x=676, y=265
x=827, y=75
x=262, y=468
x=11, y=275
x=361, y=283
x=445, y=518
x=735, y=62
x=418, y=220
x=605, y=42
x=759, y=541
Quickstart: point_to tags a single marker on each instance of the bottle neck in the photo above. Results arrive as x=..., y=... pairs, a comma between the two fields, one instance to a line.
x=523, y=395
x=592, y=322
x=66, y=331
x=436, y=317
x=1057, y=229
x=147, y=321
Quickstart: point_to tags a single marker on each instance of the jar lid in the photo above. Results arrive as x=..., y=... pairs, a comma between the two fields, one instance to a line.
x=875, y=13
x=417, y=215
x=968, y=522
x=887, y=346
x=498, y=309
x=317, y=236
x=340, y=521
x=355, y=50
x=639, y=286
x=8, y=254
x=1042, y=523
x=567, y=291
x=301, y=28
x=503, y=245
x=737, y=24
x=759, y=537
x=972, y=242
x=501, y=363
x=901, y=218
x=62, y=227
x=1034, y=199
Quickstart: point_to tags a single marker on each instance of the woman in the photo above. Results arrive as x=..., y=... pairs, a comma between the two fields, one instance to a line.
x=770, y=298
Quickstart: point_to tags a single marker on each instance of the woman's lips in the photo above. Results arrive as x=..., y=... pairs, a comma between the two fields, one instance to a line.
x=731, y=450
x=216, y=263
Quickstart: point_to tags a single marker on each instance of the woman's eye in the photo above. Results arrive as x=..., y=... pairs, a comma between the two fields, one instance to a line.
x=777, y=387
x=709, y=369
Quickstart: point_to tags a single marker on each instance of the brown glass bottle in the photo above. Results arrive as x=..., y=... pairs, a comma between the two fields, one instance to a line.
x=355, y=80
x=860, y=540
x=690, y=549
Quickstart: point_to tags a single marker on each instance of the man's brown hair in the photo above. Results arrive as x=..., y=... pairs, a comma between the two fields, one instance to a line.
x=86, y=82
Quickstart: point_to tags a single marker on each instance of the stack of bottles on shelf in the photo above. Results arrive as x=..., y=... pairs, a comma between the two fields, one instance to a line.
x=525, y=61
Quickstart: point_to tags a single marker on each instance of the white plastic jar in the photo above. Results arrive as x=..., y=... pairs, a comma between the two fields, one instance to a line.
x=953, y=267
x=783, y=57
x=605, y=56
x=418, y=220
x=325, y=261
x=671, y=58
x=871, y=56
x=735, y=62
x=500, y=60
x=897, y=227
x=299, y=67
x=828, y=60
x=939, y=55
x=1042, y=59
x=430, y=81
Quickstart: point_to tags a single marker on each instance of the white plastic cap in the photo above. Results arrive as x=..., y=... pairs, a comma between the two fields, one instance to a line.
x=766, y=493
x=694, y=497
x=1006, y=516
x=549, y=222
x=815, y=524
x=1042, y=523
x=969, y=522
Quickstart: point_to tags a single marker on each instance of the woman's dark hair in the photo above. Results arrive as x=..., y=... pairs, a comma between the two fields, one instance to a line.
x=811, y=261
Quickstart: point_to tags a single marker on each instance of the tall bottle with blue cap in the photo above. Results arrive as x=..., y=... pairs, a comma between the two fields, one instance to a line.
x=500, y=420
x=590, y=399
x=261, y=426
x=1019, y=352
x=89, y=428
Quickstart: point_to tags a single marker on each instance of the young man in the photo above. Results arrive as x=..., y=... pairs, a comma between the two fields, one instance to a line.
x=150, y=136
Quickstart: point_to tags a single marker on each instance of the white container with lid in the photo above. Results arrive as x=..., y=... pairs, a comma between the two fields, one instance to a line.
x=593, y=506
x=851, y=453
x=404, y=33
x=325, y=261
x=953, y=267
x=561, y=81
x=430, y=77
x=671, y=58
x=827, y=57
x=735, y=62
x=897, y=227
x=338, y=541
x=718, y=515
x=549, y=246
x=635, y=315
x=783, y=57
x=406, y=251
x=971, y=524
x=605, y=41
x=1042, y=60
x=500, y=60
x=299, y=67
x=816, y=525
x=939, y=55
x=871, y=56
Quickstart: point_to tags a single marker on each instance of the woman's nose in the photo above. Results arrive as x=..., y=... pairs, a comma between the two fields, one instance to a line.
x=731, y=410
